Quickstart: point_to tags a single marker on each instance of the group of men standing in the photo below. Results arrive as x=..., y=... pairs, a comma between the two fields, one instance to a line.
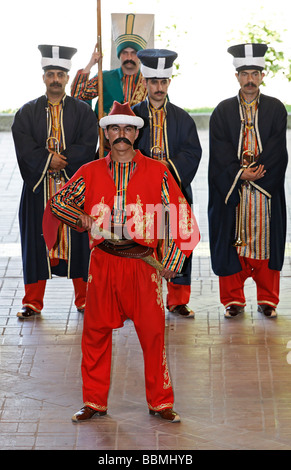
x=153, y=155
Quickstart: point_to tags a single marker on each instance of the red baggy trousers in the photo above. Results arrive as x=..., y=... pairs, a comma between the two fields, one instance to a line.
x=267, y=282
x=178, y=294
x=34, y=294
x=120, y=288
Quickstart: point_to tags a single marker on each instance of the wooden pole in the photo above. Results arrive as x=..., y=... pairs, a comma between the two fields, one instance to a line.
x=100, y=80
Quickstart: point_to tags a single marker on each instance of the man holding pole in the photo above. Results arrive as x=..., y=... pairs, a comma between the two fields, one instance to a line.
x=113, y=194
x=124, y=84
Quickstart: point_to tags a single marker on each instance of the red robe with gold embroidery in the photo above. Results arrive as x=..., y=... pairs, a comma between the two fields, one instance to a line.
x=143, y=198
x=120, y=288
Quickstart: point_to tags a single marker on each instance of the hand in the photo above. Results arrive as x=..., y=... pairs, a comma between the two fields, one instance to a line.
x=95, y=57
x=85, y=222
x=168, y=274
x=58, y=161
x=253, y=173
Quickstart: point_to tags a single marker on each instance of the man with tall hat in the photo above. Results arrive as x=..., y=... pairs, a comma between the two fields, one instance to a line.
x=169, y=135
x=247, y=209
x=123, y=84
x=53, y=135
x=113, y=194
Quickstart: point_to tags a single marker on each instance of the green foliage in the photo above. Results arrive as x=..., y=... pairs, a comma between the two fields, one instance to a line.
x=199, y=110
x=9, y=111
x=209, y=110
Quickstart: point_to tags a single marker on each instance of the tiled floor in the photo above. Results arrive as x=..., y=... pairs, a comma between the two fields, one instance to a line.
x=232, y=378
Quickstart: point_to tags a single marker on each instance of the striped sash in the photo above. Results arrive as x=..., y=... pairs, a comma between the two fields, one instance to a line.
x=255, y=222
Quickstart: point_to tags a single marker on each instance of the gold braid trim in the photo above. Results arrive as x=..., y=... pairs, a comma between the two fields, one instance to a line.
x=94, y=406
x=140, y=92
x=161, y=407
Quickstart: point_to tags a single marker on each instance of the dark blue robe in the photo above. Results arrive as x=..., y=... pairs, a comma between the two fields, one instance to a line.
x=224, y=165
x=184, y=155
x=30, y=133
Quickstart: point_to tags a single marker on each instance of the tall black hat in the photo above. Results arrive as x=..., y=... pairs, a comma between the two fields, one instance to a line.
x=157, y=63
x=56, y=57
x=248, y=56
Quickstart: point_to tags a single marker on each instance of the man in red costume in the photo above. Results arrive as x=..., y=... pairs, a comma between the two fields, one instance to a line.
x=125, y=194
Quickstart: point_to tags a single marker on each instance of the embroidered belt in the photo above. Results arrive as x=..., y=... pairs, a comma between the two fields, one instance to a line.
x=125, y=248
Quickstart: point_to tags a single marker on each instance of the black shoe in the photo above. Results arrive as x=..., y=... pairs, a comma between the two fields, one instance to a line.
x=267, y=310
x=27, y=312
x=182, y=310
x=233, y=311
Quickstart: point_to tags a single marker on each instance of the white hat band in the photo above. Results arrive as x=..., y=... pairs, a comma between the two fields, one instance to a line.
x=249, y=61
x=148, y=72
x=56, y=62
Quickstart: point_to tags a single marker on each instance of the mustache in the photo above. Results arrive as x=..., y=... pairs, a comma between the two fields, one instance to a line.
x=121, y=139
x=128, y=61
x=250, y=84
x=56, y=84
